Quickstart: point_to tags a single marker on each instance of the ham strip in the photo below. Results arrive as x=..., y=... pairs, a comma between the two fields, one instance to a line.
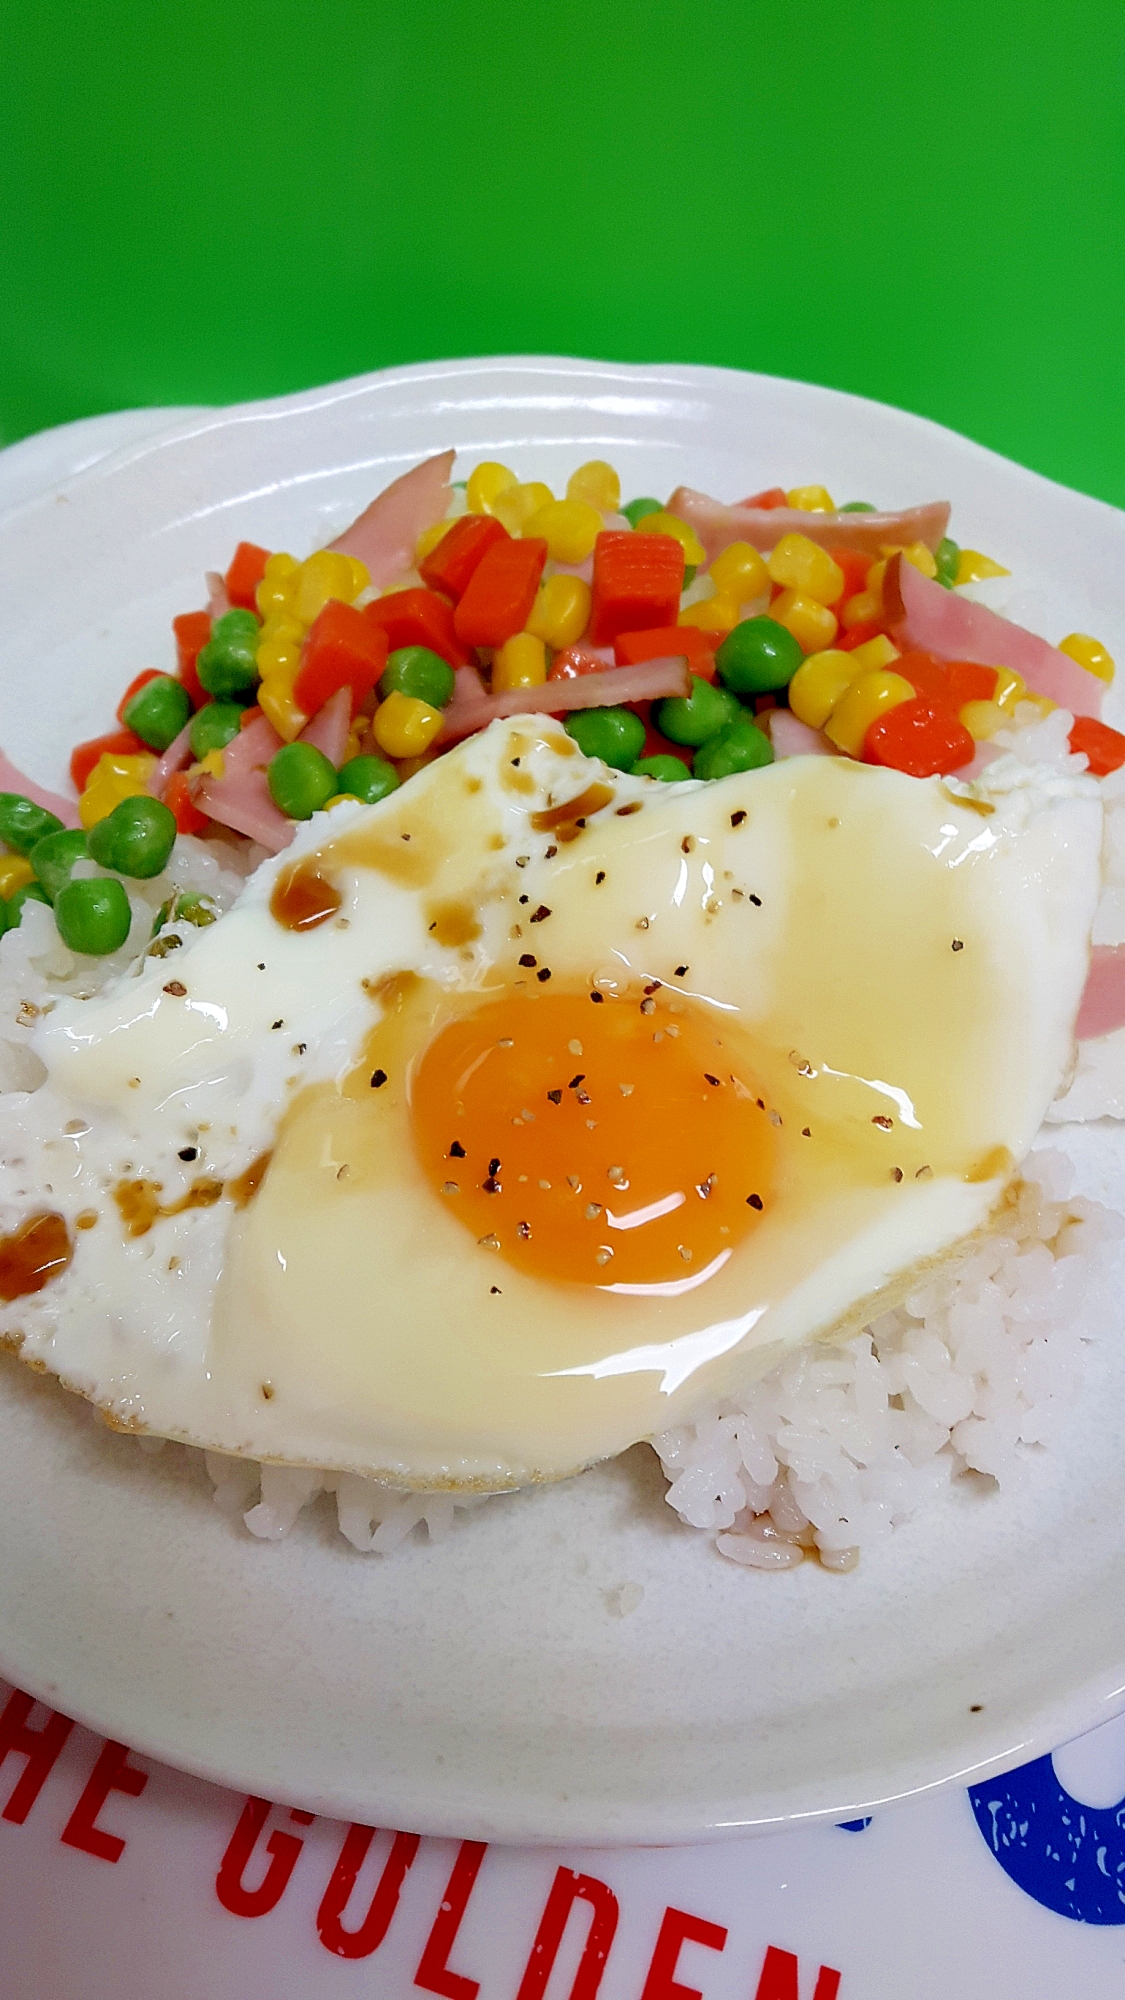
x=12, y=779
x=1103, y=1002
x=793, y=738
x=175, y=757
x=718, y=525
x=218, y=603
x=384, y=535
x=328, y=730
x=927, y=619
x=241, y=797
x=645, y=682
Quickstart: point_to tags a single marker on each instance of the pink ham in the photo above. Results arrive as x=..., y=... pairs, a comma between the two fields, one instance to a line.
x=218, y=603
x=645, y=682
x=927, y=619
x=1103, y=1002
x=328, y=730
x=241, y=797
x=385, y=534
x=12, y=780
x=718, y=525
x=792, y=738
x=174, y=759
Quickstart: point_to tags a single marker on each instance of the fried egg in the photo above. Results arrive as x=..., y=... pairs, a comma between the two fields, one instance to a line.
x=538, y=1107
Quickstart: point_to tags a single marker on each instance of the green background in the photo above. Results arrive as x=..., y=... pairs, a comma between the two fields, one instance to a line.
x=206, y=200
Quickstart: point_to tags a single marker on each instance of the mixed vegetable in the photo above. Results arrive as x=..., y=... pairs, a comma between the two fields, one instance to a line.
x=686, y=639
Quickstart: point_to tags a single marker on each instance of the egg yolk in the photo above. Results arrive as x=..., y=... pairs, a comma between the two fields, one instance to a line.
x=614, y=1145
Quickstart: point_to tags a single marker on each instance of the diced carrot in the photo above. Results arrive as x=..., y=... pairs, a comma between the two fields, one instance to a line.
x=858, y=636
x=925, y=739
x=967, y=681
x=855, y=567
x=928, y=677
x=248, y=566
x=148, y=674
x=772, y=496
x=449, y=567
x=669, y=642
x=499, y=595
x=192, y=630
x=575, y=660
x=119, y=743
x=342, y=649
x=419, y=618
x=1104, y=747
x=637, y=584
x=178, y=799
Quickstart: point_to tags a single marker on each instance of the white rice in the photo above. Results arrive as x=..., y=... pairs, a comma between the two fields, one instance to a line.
x=842, y=1441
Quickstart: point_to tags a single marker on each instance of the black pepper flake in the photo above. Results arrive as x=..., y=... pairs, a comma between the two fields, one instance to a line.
x=654, y=986
x=299, y=1048
x=543, y=974
x=712, y=1080
x=896, y=1173
x=599, y=997
x=525, y=899
x=884, y=1124
x=958, y=944
x=550, y=854
x=494, y=1166
x=599, y=878
x=277, y=1024
x=538, y=915
x=457, y=1150
x=491, y=1185
x=624, y=811
x=754, y=1201
x=756, y=900
x=189, y=1152
x=737, y=818
x=527, y=958
x=378, y=1079
x=494, y=1290
x=176, y=988
x=554, y=1096
x=515, y=762
x=681, y=971
x=523, y=1230
x=805, y=1132
x=261, y=966
x=576, y=1080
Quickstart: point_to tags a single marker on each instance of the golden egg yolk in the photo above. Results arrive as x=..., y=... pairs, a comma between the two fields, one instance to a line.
x=612, y=1145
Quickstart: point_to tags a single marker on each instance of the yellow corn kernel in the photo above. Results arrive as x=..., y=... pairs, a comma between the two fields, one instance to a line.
x=277, y=656
x=811, y=500
x=1010, y=689
x=973, y=567
x=403, y=726
x=325, y=575
x=876, y=652
x=561, y=611
x=740, y=573
x=598, y=484
x=921, y=558
x=1089, y=653
x=812, y=625
x=519, y=663
x=862, y=609
x=278, y=705
x=278, y=586
x=515, y=506
x=670, y=524
x=819, y=683
x=15, y=870
x=800, y=565
x=213, y=765
x=339, y=798
x=983, y=718
x=426, y=543
x=863, y=703
x=569, y=527
x=485, y=483
x=712, y=614
x=354, y=744
x=112, y=779
x=407, y=766
x=873, y=581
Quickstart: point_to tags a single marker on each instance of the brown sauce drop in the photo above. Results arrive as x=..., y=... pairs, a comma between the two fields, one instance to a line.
x=452, y=922
x=563, y=820
x=302, y=899
x=32, y=1255
x=245, y=1187
x=139, y=1207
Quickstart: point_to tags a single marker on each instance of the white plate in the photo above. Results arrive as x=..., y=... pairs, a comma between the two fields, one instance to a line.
x=485, y=1685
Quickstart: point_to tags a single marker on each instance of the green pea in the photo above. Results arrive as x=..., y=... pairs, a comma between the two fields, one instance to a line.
x=637, y=510
x=195, y=908
x=54, y=856
x=858, y=507
x=615, y=735
x=94, y=917
x=414, y=670
x=758, y=657
x=301, y=780
x=22, y=822
x=694, y=717
x=690, y=570
x=742, y=746
x=227, y=665
x=215, y=725
x=158, y=711
x=948, y=558
x=670, y=770
x=30, y=893
x=368, y=778
x=136, y=838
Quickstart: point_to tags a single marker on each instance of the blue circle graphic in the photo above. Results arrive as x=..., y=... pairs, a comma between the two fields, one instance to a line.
x=1069, y=1857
